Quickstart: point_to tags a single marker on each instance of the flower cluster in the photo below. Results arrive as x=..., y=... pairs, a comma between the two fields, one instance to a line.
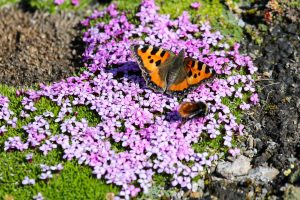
x=29, y=157
x=28, y=181
x=143, y=123
x=6, y=115
x=74, y=2
x=195, y=5
x=47, y=171
x=39, y=196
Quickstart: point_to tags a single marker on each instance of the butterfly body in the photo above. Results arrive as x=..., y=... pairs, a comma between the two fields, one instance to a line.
x=173, y=73
x=164, y=71
x=188, y=110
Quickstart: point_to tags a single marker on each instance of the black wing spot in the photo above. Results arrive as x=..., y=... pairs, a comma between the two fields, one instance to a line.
x=158, y=62
x=207, y=71
x=154, y=50
x=190, y=73
x=151, y=61
x=193, y=64
x=144, y=49
x=199, y=73
x=195, y=75
x=200, y=67
x=149, y=57
x=162, y=53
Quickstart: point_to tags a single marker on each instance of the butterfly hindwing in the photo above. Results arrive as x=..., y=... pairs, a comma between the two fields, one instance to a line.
x=196, y=71
x=190, y=75
x=153, y=62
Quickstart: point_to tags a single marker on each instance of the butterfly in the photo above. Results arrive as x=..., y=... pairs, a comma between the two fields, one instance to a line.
x=188, y=110
x=166, y=72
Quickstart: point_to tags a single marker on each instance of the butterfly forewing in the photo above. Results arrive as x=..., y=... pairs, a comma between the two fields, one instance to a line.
x=153, y=62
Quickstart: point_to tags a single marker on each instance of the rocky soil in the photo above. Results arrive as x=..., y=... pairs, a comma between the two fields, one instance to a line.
x=270, y=165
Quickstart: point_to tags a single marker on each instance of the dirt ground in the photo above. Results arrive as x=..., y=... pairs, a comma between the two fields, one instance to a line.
x=38, y=47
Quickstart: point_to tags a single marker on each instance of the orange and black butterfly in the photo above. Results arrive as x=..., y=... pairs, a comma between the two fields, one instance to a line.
x=188, y=110
x=164, y=71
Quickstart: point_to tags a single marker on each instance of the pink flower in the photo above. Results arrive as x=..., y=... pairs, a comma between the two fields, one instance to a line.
x=39, y=196
x=28, y=181
x=59, y=2
x=245, y=106
x=195, y=5
x=254, y=98
x=75, y=2
x=234, y=152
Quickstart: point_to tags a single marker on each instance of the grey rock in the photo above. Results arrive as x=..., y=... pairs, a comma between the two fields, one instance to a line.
x=238, y=167
x=250, y=153
x=264, y=174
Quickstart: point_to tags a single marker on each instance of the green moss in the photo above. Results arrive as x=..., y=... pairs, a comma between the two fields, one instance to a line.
x=214, y=11
x=85, y=112
x=291, y=3
x=254, y=35
x=209, y=145
x=162, y=179
x=117, y=147
x=126, y=5
x=49, y=5
x=271, y=109
x=44, y=104
x=7, y=2
x=73, y=182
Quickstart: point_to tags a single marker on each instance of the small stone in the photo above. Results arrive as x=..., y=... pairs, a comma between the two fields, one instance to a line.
x=257, y=126
x=270, y=48
x=250, y=153
x=239, y=167
x=250, y=195
x=292, y=193
x=287, y=172
x=267, y=74
x=258, y=189
x=110, y=196
x=276, y=31
x=201, y=184
x=258, y=144
x=264, y=174
x=196, y=195
x=264, y=191
x=250, y=141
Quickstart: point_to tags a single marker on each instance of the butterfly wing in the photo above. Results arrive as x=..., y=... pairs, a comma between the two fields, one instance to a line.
x=197, y=72
x=180, y=85
x=154, y=63
x=190, y=75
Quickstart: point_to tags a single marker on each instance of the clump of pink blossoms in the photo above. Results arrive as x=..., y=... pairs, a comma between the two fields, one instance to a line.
x=74, y=2
x=144, y=123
